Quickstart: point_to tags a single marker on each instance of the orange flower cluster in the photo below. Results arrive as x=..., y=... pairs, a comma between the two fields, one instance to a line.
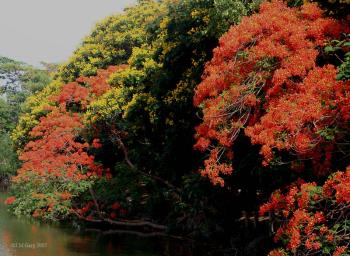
x=73, y=93
x=10, y=200
x=98, y=85
x=298, y=121
x=313, y=217
x=56, y=148
x=85, y=89
x=110, y=211
x=277, y=253
x=85, y=209
x=263, y=78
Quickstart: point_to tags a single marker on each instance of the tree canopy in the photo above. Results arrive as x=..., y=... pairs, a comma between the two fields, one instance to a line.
x=161, y=103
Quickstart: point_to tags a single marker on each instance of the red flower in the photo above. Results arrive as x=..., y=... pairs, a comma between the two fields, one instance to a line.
x=10, y=200
x=340, y=250
x=96, y=143
x=113, y=215
x=264, y=79
x=115, y=206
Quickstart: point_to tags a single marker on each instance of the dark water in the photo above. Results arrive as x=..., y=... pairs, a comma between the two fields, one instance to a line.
x=22, y=237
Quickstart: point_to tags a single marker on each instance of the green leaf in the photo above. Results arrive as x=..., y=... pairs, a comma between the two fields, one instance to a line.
x=329, y=49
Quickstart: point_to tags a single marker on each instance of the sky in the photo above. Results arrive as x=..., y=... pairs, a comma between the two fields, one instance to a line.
x=49, y=30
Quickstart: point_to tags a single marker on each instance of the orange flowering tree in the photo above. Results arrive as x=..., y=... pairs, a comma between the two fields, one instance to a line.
x=57, y=166
x=271, y=81
x=314, y=218
x=265, y=78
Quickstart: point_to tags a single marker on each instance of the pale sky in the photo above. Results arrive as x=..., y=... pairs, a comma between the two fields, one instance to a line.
x=49, y=30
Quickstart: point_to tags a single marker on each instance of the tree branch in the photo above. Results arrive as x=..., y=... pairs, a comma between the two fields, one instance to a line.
x=125, y=223
x=117, y=139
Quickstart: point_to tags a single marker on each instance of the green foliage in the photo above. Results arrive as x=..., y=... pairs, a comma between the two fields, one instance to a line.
x=34, y=80
x=127, y=187
x=339, y=50
x=8, y=158
x=45, y=194
x=7, y=117
x=344, y=69
x=18, y=81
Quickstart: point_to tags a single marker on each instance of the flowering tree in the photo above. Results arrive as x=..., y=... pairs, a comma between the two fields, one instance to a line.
x=264, y=79
x=313, y=219
x=57, y=165
x=268, y=78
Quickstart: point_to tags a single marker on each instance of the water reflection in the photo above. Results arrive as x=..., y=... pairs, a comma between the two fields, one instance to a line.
x=22, y=237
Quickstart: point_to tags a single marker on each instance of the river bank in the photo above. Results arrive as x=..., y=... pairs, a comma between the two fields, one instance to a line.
x=25, y=237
